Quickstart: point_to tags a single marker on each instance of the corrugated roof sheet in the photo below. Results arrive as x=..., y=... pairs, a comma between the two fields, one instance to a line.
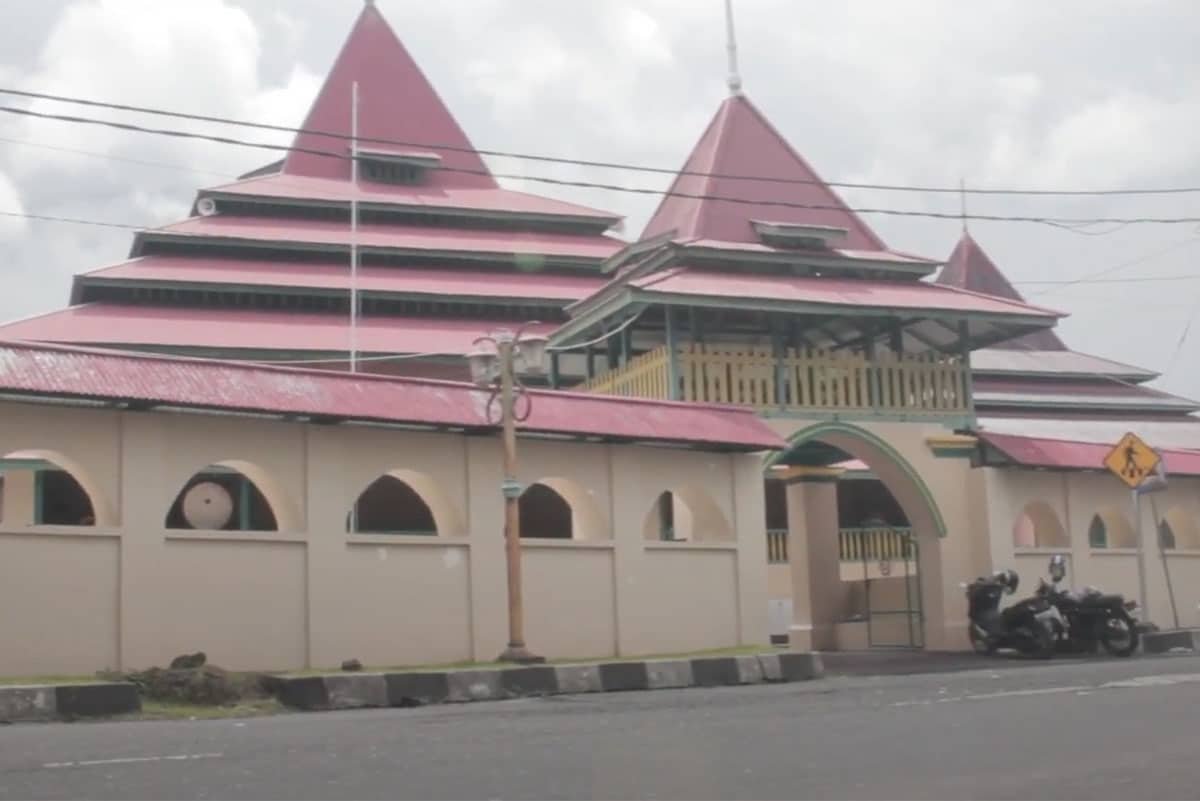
x=406, y=237
x=396, y=102
x=1053, y=362
x=334, y=190
x=1070, y=455
x=833, y=291
x=148, y=381
x=407, y=280
x=1181, y=434
x=969, y=267
x=741, y=142
x=245, y=329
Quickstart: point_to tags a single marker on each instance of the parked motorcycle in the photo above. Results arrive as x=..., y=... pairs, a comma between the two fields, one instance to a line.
x=1030, y=626
x=1092, y=618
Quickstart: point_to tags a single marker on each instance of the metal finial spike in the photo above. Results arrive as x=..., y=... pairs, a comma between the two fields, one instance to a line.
x=962, y=199
x=735, y=76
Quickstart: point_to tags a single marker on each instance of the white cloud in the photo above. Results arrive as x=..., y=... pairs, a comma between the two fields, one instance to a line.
x=1067, y=93
x=11, y=227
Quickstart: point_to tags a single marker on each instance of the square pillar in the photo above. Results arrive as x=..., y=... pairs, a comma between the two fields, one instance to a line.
x=813, y=554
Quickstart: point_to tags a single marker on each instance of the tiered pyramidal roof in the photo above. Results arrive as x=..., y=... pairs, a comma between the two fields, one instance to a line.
x=262, y=267
x=741, y=155
x=1037, y=373
x=748, y=224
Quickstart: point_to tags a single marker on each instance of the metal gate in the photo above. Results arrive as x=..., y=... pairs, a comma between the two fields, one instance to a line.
x=893, y=593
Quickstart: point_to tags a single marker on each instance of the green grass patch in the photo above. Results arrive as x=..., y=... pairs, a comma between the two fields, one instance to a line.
x=159, y=710
x=41, y=680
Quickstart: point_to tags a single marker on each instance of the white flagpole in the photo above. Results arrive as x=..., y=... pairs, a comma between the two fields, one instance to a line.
x=354, y=228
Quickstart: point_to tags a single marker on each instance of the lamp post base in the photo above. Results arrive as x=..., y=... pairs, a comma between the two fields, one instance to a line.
x=520, y=655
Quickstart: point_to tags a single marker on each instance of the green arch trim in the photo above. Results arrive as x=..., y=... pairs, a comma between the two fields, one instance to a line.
x=815, y=432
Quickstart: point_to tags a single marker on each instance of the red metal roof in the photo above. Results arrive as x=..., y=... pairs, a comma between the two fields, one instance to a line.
x=971, y=268
x=395, y=102
x=1053, y=363
x=848, y=254
x=430, y=281
x=740, y=141
x=1070, y=455
x=244, y=329
x=324, y=232
x=1079, y=395
x=432, y=196
x=835, y=291
x=40, y=370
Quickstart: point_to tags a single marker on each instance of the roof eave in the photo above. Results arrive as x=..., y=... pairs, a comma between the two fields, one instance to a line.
x=1032, y=322
x=822, y=261
x=171, y=237
x=600, y=223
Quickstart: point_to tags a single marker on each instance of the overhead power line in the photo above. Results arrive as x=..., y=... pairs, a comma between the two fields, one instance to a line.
x=1059, y=221
x=956, y=190
x=71, y=220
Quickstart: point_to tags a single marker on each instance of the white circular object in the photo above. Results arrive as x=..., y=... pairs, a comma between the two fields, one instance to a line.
x=206, y=206
x=207, y=506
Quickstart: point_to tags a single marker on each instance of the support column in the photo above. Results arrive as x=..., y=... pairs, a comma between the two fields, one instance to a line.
x=813, y=554
x=672, y=342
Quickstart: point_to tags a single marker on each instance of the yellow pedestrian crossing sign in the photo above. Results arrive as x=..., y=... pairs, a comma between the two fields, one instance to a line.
x=1132, y=460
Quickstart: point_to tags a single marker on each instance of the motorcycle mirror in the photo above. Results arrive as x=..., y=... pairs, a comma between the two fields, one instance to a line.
x=1058, y=567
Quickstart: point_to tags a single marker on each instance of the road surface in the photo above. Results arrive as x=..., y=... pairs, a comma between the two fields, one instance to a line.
x=1072, y=731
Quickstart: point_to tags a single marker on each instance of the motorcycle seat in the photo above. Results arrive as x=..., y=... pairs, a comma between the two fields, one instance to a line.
x=1103, y=599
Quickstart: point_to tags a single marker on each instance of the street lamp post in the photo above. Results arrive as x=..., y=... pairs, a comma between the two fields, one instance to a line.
x=493, y=362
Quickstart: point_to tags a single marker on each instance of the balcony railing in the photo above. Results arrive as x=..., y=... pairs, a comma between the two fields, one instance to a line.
x=821, y=381
x=854, y=545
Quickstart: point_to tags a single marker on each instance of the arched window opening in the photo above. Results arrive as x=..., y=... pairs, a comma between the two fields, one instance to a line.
x=221, y=498
x=686, y=515
x=37, y=491
x=1109, y=528
x=1177, y=529
x=545, y=514
x=1038, y=526
x=391, y=506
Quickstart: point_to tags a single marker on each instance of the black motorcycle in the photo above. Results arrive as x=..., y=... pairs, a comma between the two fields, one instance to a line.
x=1092, y=618
x=1031, y=626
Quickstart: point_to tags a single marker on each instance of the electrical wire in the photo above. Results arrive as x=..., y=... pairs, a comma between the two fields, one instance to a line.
x=614, y=187
x=1092, y=276
x=602, y=338
x=957, y=190
x=71, y=220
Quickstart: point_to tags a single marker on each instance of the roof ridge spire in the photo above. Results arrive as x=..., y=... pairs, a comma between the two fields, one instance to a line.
x=735, y=76
x=962, y=200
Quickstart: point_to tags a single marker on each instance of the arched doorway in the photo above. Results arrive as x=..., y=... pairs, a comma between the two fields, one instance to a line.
x=894, y=546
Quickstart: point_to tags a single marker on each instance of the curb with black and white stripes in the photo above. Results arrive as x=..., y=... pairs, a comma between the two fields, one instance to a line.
x=376, y=690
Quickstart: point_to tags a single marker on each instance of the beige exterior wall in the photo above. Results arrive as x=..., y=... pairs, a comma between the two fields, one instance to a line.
x=127, y=593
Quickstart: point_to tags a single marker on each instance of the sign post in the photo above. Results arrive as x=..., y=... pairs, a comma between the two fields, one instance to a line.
x=1137, y=464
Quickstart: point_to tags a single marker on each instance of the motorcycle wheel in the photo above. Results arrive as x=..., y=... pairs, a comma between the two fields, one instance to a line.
x=1119, y=636
x=981, y=645
x=1040, y=642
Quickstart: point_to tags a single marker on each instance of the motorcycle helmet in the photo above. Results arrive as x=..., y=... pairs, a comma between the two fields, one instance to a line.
x=1009, y=579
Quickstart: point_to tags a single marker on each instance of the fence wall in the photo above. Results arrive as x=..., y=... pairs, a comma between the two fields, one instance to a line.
x=129, y=593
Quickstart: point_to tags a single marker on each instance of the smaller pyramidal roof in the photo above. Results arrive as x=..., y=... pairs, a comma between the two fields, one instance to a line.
x=396, y=102
x=739, y=146
x=970, y=268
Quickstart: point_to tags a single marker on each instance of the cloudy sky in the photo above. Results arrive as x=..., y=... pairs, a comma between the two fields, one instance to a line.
x=1070, y=94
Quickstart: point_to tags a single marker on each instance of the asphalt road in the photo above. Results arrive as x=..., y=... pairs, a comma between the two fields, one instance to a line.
x=1104, y=730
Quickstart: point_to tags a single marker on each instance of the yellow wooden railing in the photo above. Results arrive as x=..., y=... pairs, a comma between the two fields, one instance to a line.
x=830, y=381
x=854, y=545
